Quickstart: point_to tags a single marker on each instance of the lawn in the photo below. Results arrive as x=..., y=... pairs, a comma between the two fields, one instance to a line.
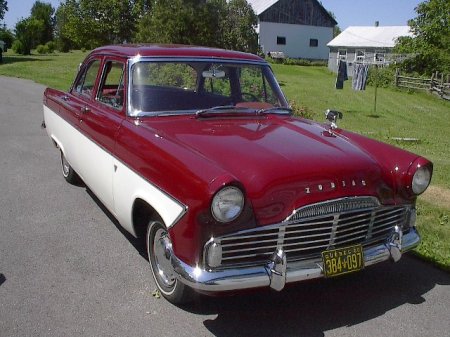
x=399, y=114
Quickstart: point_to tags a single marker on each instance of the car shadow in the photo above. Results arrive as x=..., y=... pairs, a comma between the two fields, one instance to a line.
x=313, y=307
x=137, y=243
x=310, y=308
x=2, y=279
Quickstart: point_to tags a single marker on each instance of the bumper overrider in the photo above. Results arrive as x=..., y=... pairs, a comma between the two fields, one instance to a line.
x=277, y=272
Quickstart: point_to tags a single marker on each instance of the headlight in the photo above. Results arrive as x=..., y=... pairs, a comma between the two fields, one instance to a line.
x=227, y=204
x=421, y=180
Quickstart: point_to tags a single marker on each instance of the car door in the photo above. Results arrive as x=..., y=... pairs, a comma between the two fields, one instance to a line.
x=101, y=116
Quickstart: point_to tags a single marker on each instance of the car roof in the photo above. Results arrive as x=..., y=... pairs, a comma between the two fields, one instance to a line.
x=172, y=50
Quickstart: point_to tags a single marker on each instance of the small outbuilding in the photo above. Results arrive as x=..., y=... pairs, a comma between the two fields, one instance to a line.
x=294, y=28
x=366, y=45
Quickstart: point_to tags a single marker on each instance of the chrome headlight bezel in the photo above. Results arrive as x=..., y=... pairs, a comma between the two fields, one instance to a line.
x=421, y=179
x=227, y=204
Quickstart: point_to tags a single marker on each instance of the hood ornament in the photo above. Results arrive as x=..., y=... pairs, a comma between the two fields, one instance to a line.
x=332, y=116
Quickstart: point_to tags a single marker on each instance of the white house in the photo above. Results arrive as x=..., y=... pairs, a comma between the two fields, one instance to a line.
x=368, y=45
x=298, y=28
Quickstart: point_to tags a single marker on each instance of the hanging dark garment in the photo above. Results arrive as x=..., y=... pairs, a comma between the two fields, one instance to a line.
x=360, y=73
x=341, y=75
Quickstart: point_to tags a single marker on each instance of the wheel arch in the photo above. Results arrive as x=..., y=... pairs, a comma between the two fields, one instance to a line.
x=142, y=213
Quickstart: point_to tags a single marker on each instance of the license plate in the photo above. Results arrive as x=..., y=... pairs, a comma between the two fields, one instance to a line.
x=343, y=260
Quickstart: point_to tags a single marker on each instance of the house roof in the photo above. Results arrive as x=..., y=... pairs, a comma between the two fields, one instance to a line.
x=260, y=6
x=357, y=36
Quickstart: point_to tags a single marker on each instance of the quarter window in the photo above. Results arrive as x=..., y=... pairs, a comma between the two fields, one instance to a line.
x=111, y=91
x=86, y=82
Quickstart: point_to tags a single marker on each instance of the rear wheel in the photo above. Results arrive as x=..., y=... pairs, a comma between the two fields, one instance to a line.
x=159, y=249
x=68, y=172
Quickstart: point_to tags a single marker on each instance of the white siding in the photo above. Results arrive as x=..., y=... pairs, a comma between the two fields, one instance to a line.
x=297, y=40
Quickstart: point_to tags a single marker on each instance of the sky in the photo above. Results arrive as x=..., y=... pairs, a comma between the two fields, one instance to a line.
x=348, y=12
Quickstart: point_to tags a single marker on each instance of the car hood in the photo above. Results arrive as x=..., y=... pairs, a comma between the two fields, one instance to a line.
x=283, y=163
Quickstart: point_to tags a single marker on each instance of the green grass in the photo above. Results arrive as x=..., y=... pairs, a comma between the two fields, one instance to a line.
x=56, y=70
x=398, y=114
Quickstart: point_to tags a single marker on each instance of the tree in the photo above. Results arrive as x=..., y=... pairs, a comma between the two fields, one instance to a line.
x=91, y=23
x=6, y=36
x=45, y=13
x=214, y=23
x=3, y=8
x=238, y=27
x=431, y=41
x=27, y=33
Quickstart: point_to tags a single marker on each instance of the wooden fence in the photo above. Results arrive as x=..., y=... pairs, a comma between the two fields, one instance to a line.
x=437, y=84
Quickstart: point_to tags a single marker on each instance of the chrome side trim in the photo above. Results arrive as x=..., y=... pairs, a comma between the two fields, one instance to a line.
x=261, y=276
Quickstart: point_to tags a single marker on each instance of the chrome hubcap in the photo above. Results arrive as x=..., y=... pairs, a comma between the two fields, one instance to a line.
x=65, y=166
x=162, y=248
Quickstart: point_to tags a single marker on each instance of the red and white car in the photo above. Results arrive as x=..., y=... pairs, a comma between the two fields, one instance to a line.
x=196, y=150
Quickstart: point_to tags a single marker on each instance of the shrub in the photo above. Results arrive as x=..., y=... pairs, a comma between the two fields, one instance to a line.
x=18, y=47
x=51, y=46
x=301, y=111
x=42, y=49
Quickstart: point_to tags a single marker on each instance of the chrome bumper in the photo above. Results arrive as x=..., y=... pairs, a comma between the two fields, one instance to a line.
x=277, y=272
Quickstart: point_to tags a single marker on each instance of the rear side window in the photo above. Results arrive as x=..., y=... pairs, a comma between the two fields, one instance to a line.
x=85, y=84
x=111, y=91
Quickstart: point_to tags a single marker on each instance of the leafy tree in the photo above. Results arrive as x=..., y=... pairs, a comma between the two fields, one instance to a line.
x=91, y=23
x=177, y=21
x=28, y=33
x=6, y=36
x=431, y=41
x=215, y=23
x=45, y=13
x=238, y=27
x=3, y=8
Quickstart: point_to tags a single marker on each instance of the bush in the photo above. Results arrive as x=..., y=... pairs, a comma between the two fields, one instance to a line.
x=51, y=46
x=301, y=111
x=18, y=47
x=41, y=49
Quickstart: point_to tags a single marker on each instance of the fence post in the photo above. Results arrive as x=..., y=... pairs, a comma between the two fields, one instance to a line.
x=397, y=74
x=431, y=81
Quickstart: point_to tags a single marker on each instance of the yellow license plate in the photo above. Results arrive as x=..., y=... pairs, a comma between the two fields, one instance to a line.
x=343, y=260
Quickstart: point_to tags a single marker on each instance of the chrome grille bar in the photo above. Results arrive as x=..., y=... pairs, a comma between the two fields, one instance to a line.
x=312, y=229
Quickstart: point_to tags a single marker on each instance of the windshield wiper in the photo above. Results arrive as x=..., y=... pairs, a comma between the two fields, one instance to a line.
x=280, y=109
x=218, y=109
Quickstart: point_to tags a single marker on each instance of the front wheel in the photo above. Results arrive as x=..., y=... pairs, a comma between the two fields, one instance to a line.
x=159, y=250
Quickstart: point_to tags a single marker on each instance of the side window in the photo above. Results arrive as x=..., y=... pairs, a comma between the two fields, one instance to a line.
x=111, y=90
x=254, y=87
x=86, y=82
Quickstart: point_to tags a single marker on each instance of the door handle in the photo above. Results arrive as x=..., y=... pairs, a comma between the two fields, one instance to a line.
x=84, y=110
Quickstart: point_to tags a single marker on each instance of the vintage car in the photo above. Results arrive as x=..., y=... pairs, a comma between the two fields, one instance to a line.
x=197, y=150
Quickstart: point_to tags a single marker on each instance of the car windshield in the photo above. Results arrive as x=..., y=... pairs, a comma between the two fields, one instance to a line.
x=178, y=87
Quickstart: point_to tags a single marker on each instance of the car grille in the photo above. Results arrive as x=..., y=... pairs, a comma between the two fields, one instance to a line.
x=313, y=229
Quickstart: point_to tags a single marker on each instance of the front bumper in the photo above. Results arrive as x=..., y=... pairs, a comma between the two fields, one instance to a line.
x=277, y=272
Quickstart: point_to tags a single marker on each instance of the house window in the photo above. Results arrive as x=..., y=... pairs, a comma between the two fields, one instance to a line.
x=342, y=55
x=379, y=56
x=313, y=42
x=360, y=55
x=281, y=40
